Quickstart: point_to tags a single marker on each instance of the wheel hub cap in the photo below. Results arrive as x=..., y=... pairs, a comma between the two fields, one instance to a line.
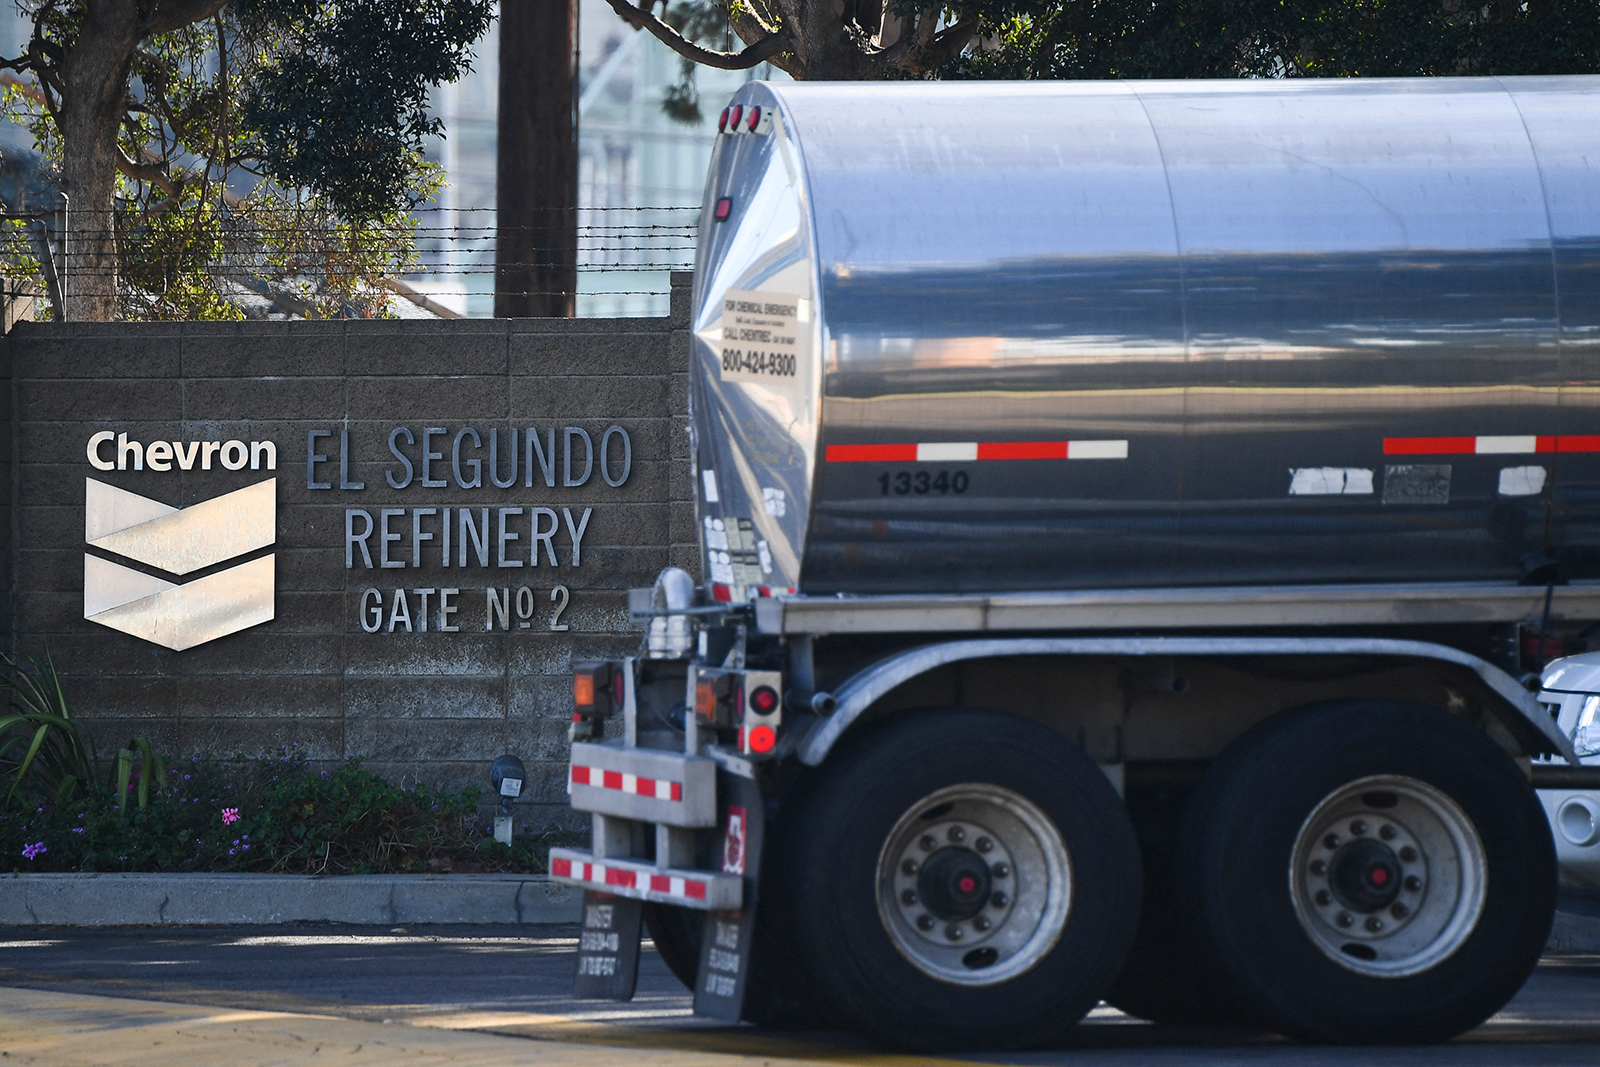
x=954, y=884
x=1365, y=875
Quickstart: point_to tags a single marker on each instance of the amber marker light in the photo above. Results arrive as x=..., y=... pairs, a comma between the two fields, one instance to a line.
x=583, y=690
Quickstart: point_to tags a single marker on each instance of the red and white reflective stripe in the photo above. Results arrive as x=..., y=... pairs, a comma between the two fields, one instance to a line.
x=723, y=593
x=1490, y=446
x=627, y=783
x=623, y=878
x=971, y=451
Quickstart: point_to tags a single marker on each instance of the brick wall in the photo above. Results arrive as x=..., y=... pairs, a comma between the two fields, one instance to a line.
x=434, y=706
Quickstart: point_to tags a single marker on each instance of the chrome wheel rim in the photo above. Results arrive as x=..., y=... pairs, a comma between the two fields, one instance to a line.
x=1388, y=876
x=1012, y=913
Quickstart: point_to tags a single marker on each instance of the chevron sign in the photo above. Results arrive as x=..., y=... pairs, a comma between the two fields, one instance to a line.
x=179, y=541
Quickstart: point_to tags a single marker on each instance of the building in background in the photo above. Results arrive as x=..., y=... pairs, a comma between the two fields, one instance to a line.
x=640, y=173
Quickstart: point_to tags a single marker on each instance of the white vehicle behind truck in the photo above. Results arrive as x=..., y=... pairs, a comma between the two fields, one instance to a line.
x=1132, y=516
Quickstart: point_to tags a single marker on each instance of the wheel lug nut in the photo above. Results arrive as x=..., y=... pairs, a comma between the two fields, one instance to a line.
x=1317, y=867
x=1358, y=827
x=999, y=900
x=1386, y=832
x=928, y=843
x=1408, y=854
x=983, y=844
x=1345, y=919
x=1324, y=898
x=1331, y=841
x=981, y=923
x=953, y=933
x=909, y=897
x=1413, y=883
x=1000, y=870
x=908, y=866
x=1374, y=923
x=1399, y=910
x=956, y=835
x=924, y=922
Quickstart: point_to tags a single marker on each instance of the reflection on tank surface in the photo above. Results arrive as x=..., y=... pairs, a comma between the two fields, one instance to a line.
x=1074, y=336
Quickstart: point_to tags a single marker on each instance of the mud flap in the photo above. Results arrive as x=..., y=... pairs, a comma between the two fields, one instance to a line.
x=725, y=947
x=608, y=948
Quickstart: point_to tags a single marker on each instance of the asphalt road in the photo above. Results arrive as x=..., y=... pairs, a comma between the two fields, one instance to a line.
x=499, y=994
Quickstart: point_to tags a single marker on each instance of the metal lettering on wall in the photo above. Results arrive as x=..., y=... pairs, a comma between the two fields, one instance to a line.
x=517, y=534
x=179, y=541
x=142, y=548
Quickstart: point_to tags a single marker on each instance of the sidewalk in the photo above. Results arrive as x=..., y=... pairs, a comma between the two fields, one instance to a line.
x=261, y=899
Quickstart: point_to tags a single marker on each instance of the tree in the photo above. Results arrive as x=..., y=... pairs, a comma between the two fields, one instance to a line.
x=846, y=40
x=871, y=39
x=291, y=128
x=1290, y=38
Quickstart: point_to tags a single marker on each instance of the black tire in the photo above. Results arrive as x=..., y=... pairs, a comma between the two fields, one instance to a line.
x=1238, y=843
x=1164, y=980
x=866, y=795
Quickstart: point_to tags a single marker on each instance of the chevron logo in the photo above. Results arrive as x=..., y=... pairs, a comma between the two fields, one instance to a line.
x=179, y=541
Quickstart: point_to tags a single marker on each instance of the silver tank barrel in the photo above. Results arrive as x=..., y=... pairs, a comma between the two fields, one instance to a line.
x=1000, y=336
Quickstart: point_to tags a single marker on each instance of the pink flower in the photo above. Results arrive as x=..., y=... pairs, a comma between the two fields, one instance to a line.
x=229, y=816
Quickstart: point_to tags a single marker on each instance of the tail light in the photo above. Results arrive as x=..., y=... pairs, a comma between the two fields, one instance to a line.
x=596, y=693
x=763, y=713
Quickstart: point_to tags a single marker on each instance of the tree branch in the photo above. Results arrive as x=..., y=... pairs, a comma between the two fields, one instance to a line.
x=168, y=15
x=751, y=56
x=154, y=173
x=947, y=45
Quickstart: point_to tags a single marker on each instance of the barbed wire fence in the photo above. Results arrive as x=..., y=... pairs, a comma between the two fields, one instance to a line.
x=274, y=267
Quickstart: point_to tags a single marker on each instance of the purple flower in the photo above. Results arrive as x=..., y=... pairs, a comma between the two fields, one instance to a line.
x=36, y=849
x=77, y=829
x=230, y=816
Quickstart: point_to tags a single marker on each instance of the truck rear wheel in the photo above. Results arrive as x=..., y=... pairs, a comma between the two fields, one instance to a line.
x=963, y=880
x=1368, y=872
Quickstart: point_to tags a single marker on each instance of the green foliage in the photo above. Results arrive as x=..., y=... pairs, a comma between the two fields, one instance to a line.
x=1267, y=38
x=342, y=110
x=273, y=149
x=41, y=751
x=276, y=813
x=1028, y=39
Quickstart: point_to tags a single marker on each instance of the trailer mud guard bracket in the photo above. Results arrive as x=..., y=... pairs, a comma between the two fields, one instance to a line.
x=866, y=688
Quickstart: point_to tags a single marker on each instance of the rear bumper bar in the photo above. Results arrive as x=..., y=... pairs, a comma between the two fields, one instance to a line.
x=702, y=890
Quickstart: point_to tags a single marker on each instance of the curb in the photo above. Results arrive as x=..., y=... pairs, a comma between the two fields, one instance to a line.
x=265, y=899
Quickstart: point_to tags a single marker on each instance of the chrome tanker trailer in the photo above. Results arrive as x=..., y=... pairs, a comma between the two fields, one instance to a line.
x=1115, y=491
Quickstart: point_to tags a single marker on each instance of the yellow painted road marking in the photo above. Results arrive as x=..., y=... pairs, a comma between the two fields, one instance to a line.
x=76, y=1030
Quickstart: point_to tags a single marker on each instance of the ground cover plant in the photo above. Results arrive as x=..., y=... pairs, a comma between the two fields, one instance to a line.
x=275, y=813
x=61, y=809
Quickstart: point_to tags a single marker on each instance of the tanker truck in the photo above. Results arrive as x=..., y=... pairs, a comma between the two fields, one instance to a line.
x=1133, y=517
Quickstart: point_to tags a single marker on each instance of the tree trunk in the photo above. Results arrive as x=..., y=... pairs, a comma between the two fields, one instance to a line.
x=96, y=76
x=536, y=173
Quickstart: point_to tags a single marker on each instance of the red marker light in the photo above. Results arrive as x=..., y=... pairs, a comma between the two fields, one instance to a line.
x=762, y=738
x=755, y=118
x=724, y=206
x=722, y=123
x=734, y=115
x=764, y=701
